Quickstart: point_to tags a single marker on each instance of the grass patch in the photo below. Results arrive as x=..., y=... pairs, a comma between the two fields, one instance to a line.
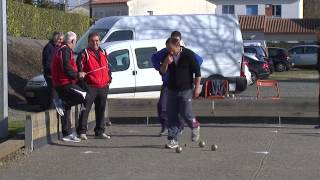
x=296, y=74
x=15, y=127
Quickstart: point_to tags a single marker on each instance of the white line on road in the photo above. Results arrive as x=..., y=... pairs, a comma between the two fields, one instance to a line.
x=90, y=152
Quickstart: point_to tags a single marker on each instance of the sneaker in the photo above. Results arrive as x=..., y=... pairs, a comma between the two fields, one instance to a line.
x=172, y=144
x=317, y=127
x=164, y=132
x=71, y=138
x=58, y=105
x=83, y=137
x=195, y=134
x=102, y=136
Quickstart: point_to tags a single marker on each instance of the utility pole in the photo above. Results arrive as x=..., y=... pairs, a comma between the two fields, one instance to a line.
x=3, y=71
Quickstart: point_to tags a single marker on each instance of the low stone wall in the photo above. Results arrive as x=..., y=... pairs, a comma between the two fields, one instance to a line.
x=45, y=127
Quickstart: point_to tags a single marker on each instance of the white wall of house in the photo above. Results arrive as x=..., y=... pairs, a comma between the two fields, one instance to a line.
x=162, y=7
x=105, y=10
x=289, y=8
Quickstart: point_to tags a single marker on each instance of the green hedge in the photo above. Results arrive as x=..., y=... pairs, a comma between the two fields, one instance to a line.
x=28, y=21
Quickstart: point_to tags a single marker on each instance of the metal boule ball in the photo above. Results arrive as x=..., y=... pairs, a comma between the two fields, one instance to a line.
x=179, y=149
x=202, y=144
x=214, y=147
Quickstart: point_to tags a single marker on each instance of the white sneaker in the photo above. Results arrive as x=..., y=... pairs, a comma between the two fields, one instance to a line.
x=58, y=105
x=83, y=137
x=172, y=144
x=71, y=138
x=103, y=136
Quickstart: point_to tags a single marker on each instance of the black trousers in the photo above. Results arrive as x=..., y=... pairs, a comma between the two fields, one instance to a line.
x=71, y=95
x=98, y=96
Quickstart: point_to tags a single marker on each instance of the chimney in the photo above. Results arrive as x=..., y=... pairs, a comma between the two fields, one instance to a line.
x=268, y=10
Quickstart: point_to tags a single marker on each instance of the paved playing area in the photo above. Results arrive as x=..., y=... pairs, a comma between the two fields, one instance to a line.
x=257, y=151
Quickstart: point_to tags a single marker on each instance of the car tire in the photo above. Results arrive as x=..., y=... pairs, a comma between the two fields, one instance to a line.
x=280, y=67
x=254, y=76
x=241, y=84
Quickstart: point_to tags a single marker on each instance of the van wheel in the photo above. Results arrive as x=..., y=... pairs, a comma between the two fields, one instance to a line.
x=280, y=67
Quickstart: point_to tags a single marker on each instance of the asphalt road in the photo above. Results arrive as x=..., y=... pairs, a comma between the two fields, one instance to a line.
x=245, y=152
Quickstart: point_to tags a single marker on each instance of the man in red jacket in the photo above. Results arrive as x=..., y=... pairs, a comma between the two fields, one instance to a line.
x=65, y=76
x=93, y=61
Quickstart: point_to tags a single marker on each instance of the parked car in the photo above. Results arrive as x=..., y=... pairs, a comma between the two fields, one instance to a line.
x=259, y=69
x=37, y=93
x=131, y=40
x=261, y=54
x=280, y=59
x=304, y=55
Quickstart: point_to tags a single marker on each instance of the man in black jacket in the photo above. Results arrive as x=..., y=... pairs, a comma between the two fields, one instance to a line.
x=47, y=56
x=182, y=68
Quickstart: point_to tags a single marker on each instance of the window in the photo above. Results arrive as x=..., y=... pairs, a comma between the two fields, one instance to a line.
x=311, y=50
x=150, y=13
x=298, y=50
x=83, y=41
x=276, y=10
x=120, y=36
x=252, y=10
x=143, y=57
x=228, y=9
x=119, y=60
x=250, y=50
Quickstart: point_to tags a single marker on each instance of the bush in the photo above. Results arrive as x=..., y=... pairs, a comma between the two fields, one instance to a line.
x=28, y=21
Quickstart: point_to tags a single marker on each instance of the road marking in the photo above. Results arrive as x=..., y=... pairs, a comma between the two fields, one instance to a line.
x=274, y=131
x=261, y=152
x=90, y=152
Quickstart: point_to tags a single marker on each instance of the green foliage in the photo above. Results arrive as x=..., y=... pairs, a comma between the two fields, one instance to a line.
x=28, y=21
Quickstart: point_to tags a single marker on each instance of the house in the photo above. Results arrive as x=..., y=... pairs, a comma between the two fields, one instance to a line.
x=104, y=8
x=272, y=8
x=279, y=29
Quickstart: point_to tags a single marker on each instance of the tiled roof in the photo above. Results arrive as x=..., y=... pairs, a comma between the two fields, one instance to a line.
x=252, y=23
x=108, y=1
x=278, y=25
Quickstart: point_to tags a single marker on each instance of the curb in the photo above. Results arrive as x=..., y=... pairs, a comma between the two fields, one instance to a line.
x=10, y=146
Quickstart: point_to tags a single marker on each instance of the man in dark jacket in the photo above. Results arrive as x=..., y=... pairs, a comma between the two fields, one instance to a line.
x=157, y=60
x=47, y=56
x=94, y=62
x=65, y=76
x=184, y=74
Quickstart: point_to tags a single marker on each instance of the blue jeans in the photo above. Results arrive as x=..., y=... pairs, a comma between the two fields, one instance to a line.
x=179, y=103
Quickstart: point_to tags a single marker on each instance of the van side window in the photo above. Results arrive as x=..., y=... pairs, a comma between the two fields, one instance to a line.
x=119, y=60
x=120, y=36
x=144, y=57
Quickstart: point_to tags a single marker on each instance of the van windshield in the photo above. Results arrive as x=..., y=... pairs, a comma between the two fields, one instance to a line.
x=83, y=41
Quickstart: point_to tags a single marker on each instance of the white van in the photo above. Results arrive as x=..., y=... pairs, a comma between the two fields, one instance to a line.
x=216, y=38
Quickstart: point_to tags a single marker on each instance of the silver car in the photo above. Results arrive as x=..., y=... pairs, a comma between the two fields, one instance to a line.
x=304, y=55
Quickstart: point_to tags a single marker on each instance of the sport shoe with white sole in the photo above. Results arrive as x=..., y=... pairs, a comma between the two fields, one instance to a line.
x=71, y=138
x=102, y=136
x=195, y=134
x=172, y=144
x=58, y=105
x=83, y=137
